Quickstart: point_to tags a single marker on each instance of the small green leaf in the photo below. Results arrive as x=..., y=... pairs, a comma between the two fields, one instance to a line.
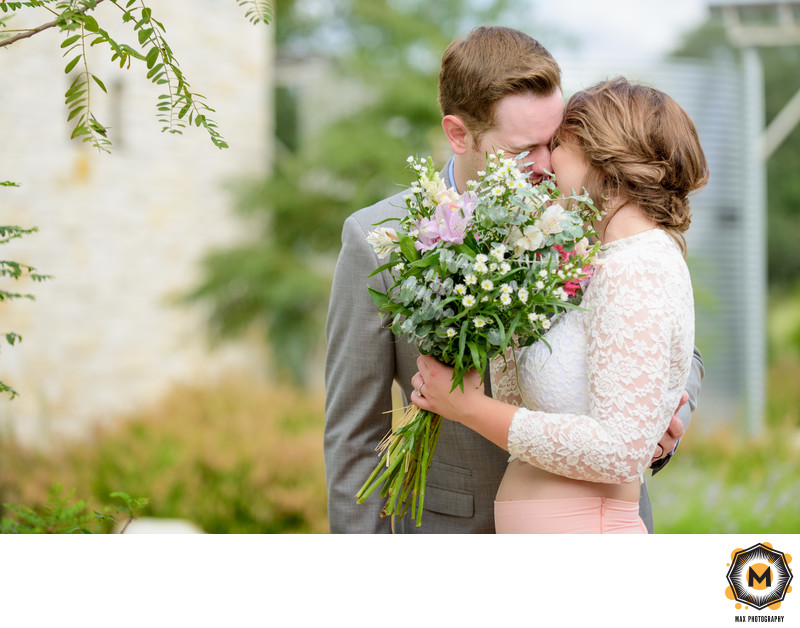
x=90, y=24
x=152, y=57
x=100, y=83
x=144, y=35
x=378, y=298
x=408, y=249
x=155, y=72
x=71, y=65
x=75, y=112
x=69, y=41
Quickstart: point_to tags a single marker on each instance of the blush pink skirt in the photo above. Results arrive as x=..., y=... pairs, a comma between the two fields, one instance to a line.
x=582, y=515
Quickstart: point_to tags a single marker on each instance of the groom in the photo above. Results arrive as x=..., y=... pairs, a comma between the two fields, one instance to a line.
x=498, y=89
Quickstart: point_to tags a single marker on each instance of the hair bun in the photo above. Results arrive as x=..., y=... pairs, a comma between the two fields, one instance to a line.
x=678, y=216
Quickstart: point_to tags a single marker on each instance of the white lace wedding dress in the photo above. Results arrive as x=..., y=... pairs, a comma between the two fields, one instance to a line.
x=595, y=407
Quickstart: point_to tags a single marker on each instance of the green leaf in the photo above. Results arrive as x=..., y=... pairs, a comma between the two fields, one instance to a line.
x=476, y=354
x=71, y=65
x=425, y=262
x=464, y=249
x=76, y=111
x=408, y=248
x=378, y=298
x=100, y=83
x=90, y=24
x=152, y=57
x=144, y=35
x=380, y=269
x=184, y=110
x=69, y=41
x=155, y=72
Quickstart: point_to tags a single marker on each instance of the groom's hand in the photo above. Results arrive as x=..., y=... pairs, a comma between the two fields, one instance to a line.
x=673, y=434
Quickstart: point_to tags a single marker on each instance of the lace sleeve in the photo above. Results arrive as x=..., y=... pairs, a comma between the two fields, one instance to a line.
x=503, y=374
x=632, y=377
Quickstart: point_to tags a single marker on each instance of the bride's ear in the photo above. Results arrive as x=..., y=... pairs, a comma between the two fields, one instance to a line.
x=457, y=134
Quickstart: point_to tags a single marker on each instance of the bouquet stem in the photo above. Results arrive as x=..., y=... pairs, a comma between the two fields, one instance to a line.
x=402, y=471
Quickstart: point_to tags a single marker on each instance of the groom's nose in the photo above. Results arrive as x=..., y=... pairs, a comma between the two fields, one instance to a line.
x=541, y=165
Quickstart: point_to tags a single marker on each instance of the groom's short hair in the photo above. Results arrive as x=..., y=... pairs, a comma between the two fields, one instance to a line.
x=488, y=64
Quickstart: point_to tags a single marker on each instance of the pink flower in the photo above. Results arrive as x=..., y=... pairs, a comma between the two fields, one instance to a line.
x=449, y=223
x=572, y=286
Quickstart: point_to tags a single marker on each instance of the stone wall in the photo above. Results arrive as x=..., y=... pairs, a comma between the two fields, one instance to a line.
x=122, y=234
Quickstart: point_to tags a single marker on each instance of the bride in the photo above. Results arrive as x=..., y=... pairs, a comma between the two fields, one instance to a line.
x=582, y=411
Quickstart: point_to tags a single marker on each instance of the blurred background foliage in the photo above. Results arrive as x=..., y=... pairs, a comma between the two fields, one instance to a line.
x=237, y=458
x=278, y=281
x=231, y=459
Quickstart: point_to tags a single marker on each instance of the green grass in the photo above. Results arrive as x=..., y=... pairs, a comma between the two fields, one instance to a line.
x=727, y=482
x=724, y=483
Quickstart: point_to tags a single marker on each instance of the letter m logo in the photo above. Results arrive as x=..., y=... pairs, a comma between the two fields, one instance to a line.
x=756, y=581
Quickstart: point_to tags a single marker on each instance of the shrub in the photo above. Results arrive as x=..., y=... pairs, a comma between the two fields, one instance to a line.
x=231, y=459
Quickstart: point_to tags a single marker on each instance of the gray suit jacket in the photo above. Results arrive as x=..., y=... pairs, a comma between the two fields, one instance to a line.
x=363, y=359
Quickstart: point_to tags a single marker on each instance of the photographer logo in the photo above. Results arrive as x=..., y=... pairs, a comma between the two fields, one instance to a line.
x=759, y=577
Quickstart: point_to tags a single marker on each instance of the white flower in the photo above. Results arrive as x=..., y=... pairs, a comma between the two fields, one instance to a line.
x=506, y=289
x=479, y=322
x=383, y=240
x=481, y=268
x=498, y=252
x=446, y=196
x=481, y=258
x=470, y=279
x=550, y=220
x=451, y=332
x=505, y=267
x=539, y=285
x=460, y=289
x=505, y=299
x=523, y=295
x=468, y=301
x=546, y=323
x=487, y=284
x=529, y=239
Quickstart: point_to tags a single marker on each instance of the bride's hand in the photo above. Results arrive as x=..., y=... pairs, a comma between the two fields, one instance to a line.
x=432, y=384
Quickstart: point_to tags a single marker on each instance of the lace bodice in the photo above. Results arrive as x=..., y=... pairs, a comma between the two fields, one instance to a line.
x=595, y=408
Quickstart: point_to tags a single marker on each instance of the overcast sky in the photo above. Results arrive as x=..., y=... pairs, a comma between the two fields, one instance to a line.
x=622, y=27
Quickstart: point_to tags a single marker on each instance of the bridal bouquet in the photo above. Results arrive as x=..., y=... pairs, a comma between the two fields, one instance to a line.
x=474, y=274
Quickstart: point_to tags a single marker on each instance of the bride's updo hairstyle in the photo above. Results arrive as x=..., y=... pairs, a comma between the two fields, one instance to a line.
x=641, y=146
